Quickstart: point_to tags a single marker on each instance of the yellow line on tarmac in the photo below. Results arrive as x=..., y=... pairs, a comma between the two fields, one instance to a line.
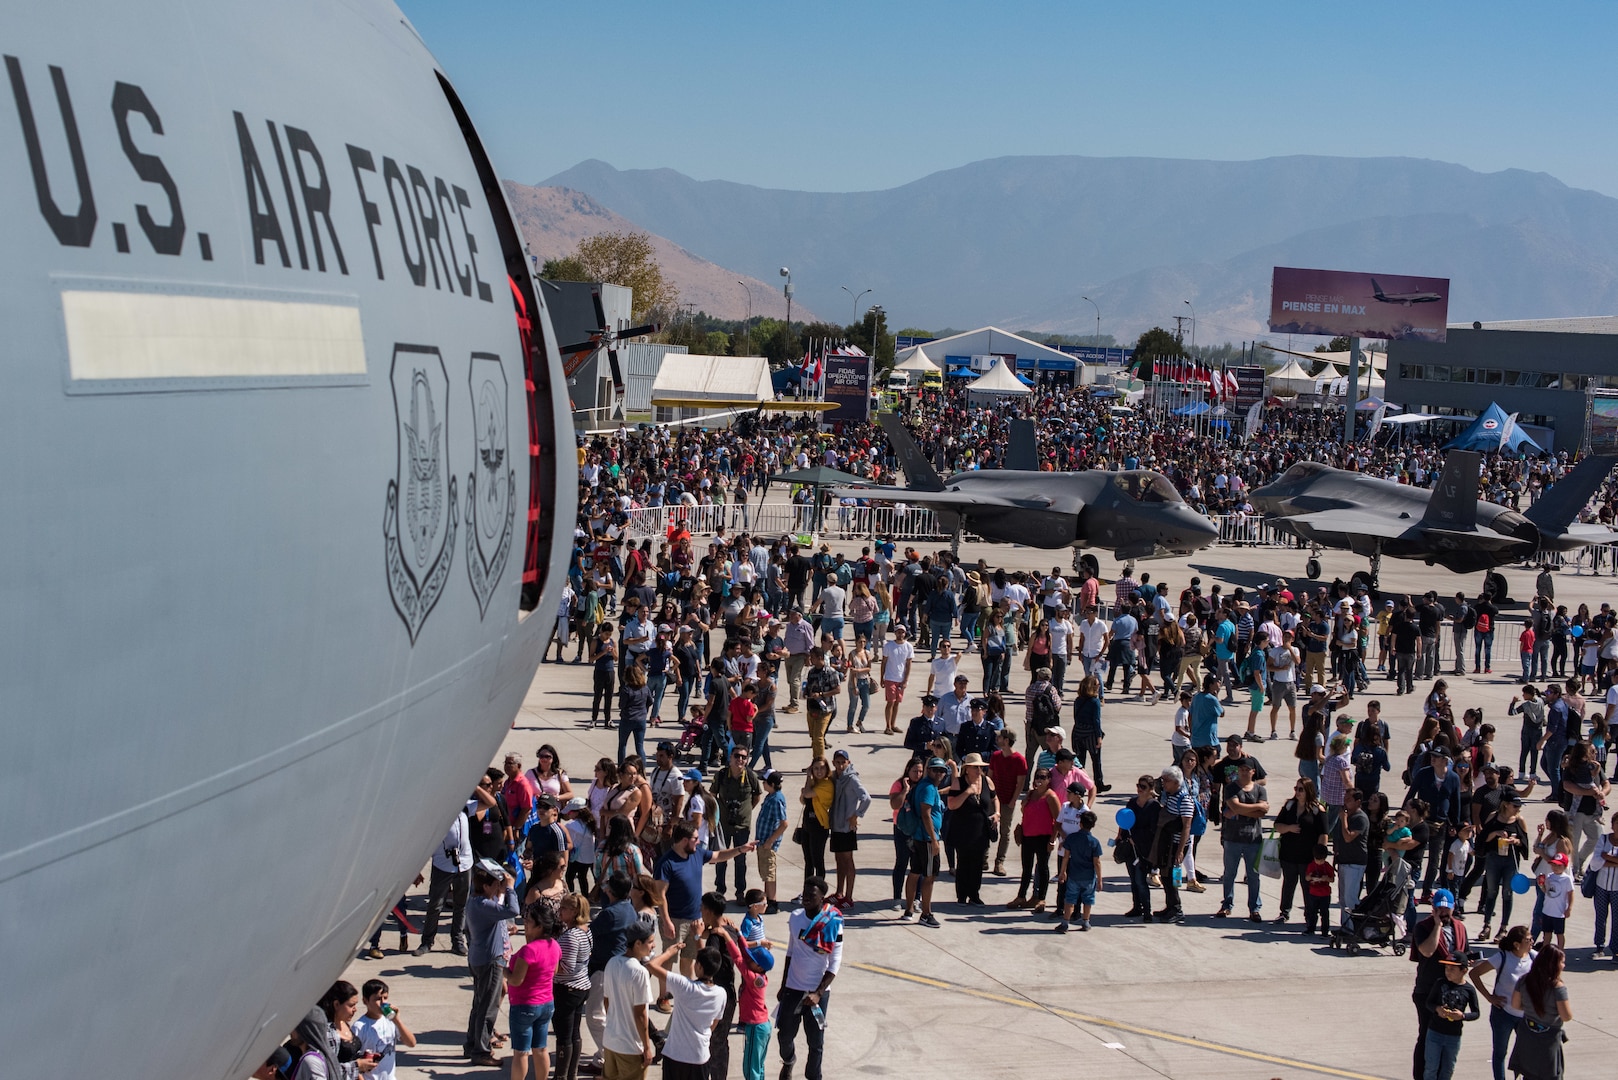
x=1116, y=1025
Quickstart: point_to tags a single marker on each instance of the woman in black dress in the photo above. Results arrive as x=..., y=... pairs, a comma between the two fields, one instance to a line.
x=974, y=814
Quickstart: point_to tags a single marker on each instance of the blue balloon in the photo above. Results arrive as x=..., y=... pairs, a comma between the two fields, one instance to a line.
x=1576, y=631
x=1521, y=883
x=1125, y=817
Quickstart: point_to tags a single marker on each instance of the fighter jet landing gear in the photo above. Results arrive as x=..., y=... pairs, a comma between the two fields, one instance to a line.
x=1311, y=568
x=1369, y=578
x=1086, y=562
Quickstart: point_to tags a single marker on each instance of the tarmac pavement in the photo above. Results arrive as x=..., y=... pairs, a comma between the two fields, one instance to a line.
x=996, y=992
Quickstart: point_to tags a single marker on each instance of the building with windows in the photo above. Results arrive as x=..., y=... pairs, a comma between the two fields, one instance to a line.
x=1542, y=369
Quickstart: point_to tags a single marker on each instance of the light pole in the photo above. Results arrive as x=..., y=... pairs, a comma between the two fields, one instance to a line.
x=1193, y=308
x=1097, y=306
x=788, y=290
x=746, y=326
x=856, y=301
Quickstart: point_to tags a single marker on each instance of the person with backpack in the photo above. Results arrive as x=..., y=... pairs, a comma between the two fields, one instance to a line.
x=1043, y=706
x=920, y=817
x=1483, y=634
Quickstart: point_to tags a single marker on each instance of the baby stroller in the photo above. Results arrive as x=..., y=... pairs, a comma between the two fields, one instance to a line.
x=1379, y=919
x=690, y=745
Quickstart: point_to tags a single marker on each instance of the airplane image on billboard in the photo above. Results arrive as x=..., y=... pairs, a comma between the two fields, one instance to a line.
x=1342, y=302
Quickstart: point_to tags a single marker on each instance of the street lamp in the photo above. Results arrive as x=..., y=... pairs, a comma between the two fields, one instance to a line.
x=856, y=301
x=748, y=324
x=1193, y=308
x=1098, y=318
x=788, y=290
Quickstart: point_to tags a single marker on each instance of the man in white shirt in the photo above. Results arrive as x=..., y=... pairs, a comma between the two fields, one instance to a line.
x=814, y=956
x=1282, y=663
x=1092, y=634
x=452, y=880
x=896, y=658
x=698, y=1005
x=1063, y=631
x=627, y=991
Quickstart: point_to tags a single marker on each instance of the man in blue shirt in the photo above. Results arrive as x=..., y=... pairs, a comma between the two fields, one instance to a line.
x=926, y=807
x=769, y=825
x=681, y=867
x=1205, y=714
x=1224, y=649
x=1121, y=649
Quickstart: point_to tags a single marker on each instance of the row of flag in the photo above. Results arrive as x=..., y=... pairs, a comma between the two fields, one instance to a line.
x=1221, y=382
x=812, y=368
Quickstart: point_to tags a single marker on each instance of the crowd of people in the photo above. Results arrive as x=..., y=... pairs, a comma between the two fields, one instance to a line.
x=554, y=888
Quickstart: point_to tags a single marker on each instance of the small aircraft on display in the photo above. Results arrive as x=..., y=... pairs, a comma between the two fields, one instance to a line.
x=1136, y=513
x=1446, y=526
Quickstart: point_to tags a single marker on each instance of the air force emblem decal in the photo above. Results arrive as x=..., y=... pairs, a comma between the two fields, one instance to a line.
x=491, y=486
x=419, y=520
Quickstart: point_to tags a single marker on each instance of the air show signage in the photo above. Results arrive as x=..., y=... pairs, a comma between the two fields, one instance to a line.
x=1341, y=302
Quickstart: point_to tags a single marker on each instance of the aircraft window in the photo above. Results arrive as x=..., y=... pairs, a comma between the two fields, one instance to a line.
x=1303, y=469
x=1147, y=487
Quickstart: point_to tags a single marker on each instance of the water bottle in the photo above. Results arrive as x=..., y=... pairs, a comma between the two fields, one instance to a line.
x=820, y=1016
x=1179, y=874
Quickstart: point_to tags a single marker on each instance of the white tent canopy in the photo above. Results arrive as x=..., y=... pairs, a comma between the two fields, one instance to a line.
x=998, y=382
x=1291, y=379
x=1377, y=360
x=1339, y=386
x=697, y=381
x=916, y=359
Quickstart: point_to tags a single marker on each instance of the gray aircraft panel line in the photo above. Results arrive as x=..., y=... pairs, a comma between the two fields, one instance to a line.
x=277, y=478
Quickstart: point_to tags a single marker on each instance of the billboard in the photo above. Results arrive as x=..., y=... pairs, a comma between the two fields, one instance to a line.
x=1249, y=386
x=1603, y=426
x=1341, y=302
x=848, y=383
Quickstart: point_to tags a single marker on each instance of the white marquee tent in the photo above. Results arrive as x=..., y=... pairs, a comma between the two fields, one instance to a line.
x=998, y=382
x=916, y=359
x=1289, y=380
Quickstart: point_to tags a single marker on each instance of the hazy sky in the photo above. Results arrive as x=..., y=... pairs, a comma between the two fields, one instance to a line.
x=839, y=96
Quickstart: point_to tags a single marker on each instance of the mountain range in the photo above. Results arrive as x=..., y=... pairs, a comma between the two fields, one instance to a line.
x=1018, y=241
x=554, y=219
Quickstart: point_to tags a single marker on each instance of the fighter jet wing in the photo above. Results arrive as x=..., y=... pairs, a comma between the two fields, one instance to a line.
x=1487, y=539
x=1354, y=521
x=957, y=501
x=1586, y=534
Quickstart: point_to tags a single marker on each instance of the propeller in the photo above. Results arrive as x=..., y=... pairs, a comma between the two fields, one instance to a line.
x=606, y=337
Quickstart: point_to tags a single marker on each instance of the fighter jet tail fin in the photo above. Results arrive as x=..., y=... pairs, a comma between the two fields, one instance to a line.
x=919, y=472
x=1454, y=505
x=1555, y=510
x=1022, y=450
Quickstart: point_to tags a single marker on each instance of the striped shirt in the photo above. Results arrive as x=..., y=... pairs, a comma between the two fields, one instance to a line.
x=772, y=811
x=1178, y=804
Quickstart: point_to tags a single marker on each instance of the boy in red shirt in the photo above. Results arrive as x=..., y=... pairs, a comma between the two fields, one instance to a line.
x=742, y=711
x=1525, y=644
x=1009, y=770
x=1317, y=877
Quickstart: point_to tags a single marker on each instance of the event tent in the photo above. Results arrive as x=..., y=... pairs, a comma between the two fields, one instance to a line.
x=998, y=382
x=1291, y=379
x=1494, y=430
x=916, y=359
x=693, y=381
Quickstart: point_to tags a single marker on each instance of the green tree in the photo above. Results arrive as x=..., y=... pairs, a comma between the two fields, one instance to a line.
x=628, y=259
x=567, y=268
x=1155, y=344
x=911, y=331
x=1336, y=344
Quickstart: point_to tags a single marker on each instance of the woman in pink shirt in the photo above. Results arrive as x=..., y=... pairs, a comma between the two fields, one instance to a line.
x=529, y=986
